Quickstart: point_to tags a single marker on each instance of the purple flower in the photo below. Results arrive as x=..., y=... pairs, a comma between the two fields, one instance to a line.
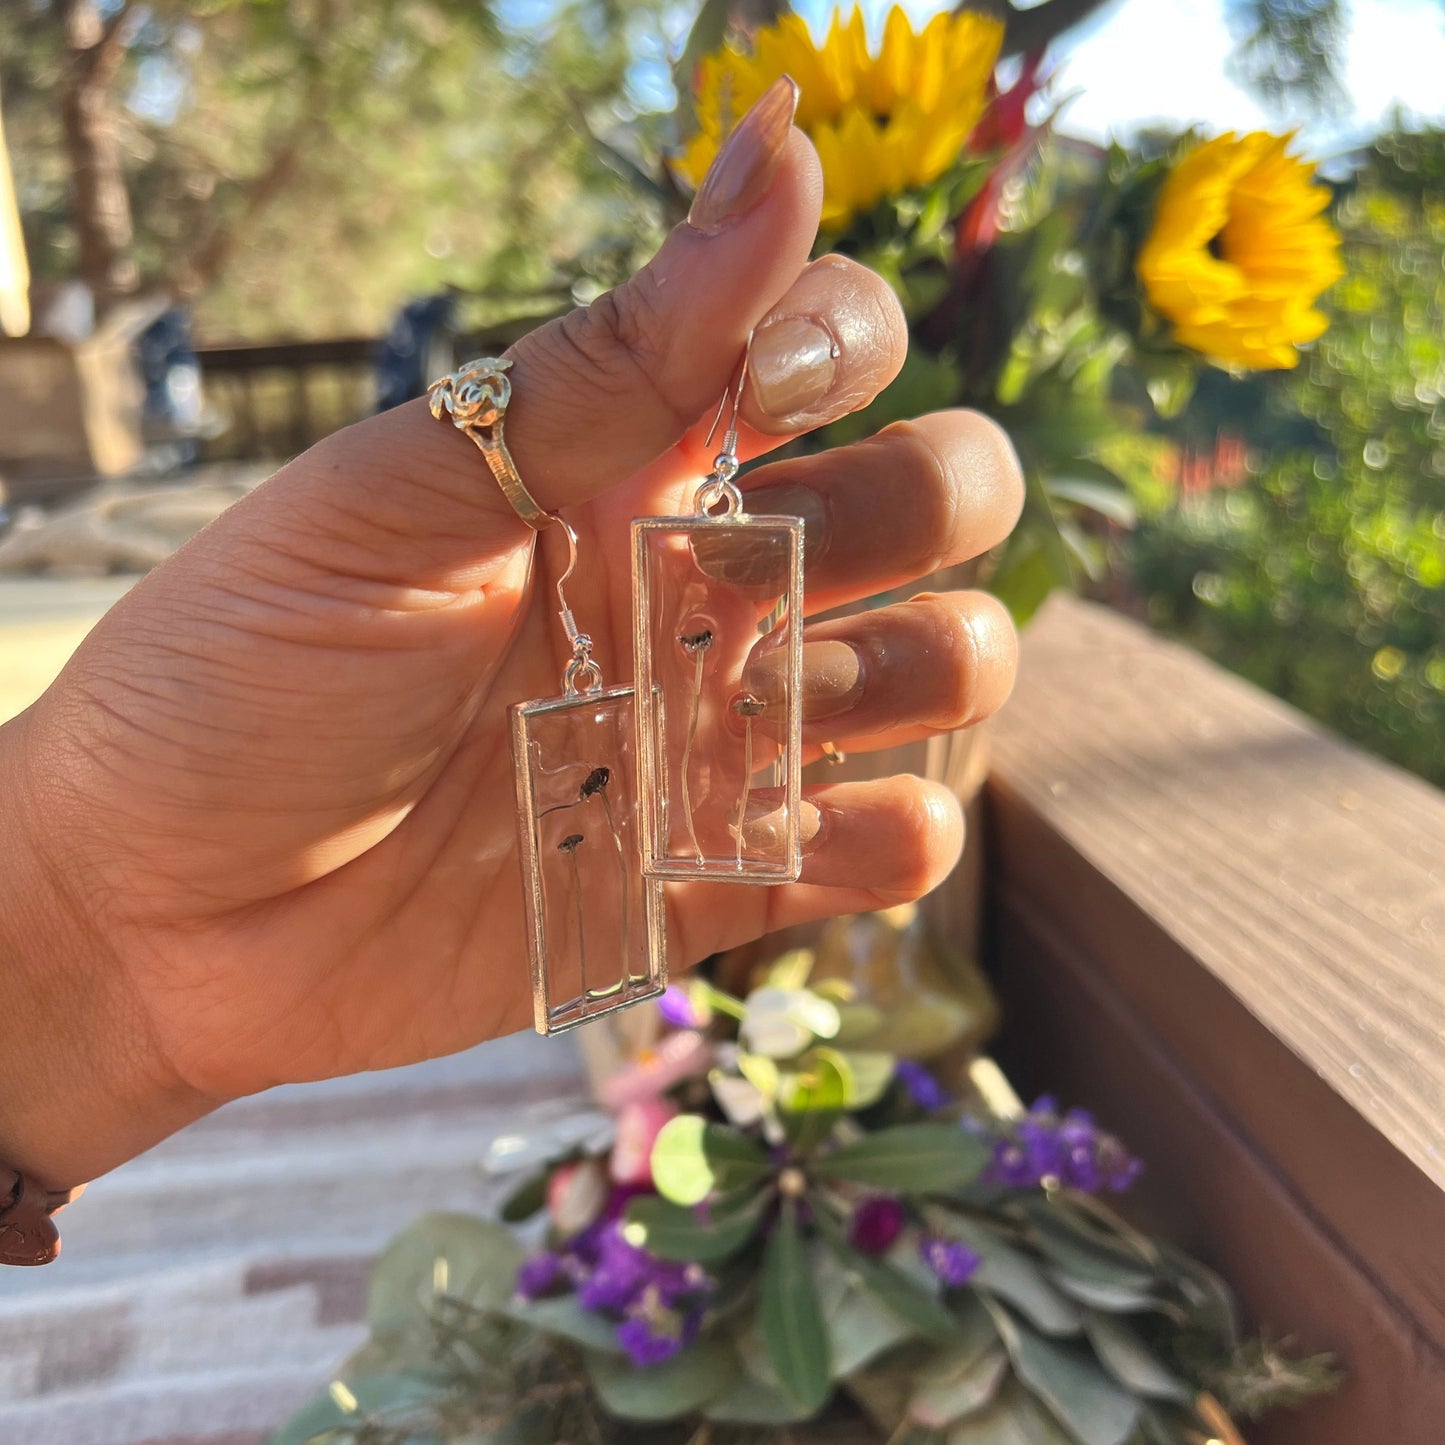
x=621, y=1272
x=539, y=1274
x=920, y=1085
x=646, y=1347
x=678, y=1009
x=876, y=1223
x=952, y=1261
x=1068, y=1150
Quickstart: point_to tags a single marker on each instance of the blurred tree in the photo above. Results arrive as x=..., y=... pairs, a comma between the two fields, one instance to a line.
x=302, y=166
x=1323, y=579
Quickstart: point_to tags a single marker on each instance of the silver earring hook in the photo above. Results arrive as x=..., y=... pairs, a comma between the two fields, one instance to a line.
x=719, y=490
x=730, y=439
x=583, y=674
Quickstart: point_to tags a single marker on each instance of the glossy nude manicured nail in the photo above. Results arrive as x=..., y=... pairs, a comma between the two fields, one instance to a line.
x=793, y=363
x=791, y=501
x=743, y=171
x=764, y=827
x=832, y=679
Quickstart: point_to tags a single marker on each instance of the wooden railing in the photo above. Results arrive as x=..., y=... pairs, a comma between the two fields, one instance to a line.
x=1225, y=930
x=276, y=400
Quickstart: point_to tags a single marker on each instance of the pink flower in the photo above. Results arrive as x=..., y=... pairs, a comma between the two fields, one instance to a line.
x=685, y=1055
x=577, y=1194
x=638, y=1126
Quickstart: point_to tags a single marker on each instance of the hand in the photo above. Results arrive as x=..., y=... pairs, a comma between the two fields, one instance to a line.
x=262, y=825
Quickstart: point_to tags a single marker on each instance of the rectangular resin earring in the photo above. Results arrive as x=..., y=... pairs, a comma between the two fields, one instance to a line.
x=718, y=655
x=594, y=922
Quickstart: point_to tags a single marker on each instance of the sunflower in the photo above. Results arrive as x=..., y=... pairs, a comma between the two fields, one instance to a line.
x=881, y=124
x=1239, y=252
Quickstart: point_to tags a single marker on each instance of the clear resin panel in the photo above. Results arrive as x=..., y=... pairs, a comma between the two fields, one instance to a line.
x=719, y=658
x=595, y=924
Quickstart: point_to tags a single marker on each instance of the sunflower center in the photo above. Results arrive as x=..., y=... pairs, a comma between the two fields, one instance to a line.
x=1215, y=246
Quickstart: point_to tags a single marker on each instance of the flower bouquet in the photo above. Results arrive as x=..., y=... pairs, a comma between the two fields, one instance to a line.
x=1074, y=293
x=787, y=1233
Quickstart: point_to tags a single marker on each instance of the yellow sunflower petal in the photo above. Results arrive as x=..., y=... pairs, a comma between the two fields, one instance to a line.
x=1239, y=253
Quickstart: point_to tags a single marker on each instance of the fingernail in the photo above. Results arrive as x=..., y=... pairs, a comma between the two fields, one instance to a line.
x=832, y=679
x=742, y=172
x=794, y=501
x=765, y=826
x=792, y=362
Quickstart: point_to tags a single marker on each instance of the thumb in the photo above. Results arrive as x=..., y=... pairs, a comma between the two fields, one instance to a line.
x=601, y=392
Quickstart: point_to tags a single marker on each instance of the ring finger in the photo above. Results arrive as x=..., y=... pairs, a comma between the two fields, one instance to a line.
x=935, y=663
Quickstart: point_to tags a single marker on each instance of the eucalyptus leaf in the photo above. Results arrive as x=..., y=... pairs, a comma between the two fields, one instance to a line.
x=672, y=1232
x=1210, y=1302
x=470, y=1259
x=1130, y=1361
x=565, y=1318
x=693, y=1158
x=1012, y=1419
x=394, y=1396
x=908, y=1159
x=676, y=1387
x=792, y=1321
x=945, y=1395
x=1085, y=1257
x=1071, y=1385
x=753, y=1395
x=1013, y=1276
x=860, y=1325
x=1103, y=1295
x=926, y=1314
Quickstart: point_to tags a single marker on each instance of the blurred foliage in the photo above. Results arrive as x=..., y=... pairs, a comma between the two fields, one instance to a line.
x=300, y=169
x=1289, y=51
x=1323, y=578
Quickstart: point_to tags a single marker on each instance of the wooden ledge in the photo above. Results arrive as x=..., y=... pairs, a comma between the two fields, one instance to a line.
x=1225, y=926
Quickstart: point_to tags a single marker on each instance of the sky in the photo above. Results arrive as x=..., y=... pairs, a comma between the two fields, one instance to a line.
x=1141, y=61
x=1146, y=60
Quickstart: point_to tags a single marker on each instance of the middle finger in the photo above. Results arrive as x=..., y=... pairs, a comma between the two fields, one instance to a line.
x=919, y=496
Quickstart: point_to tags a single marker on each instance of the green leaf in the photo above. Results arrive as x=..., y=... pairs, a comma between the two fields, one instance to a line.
x=753, y=1395
x=323, y=1420
x=1074, y=1389
x=868, y=1074
x=1102, y=1295
x=860, y=1326
x=1131, y=1362
x=1023, y=578
x=791, y=1318
x=927, y=1315
x=816, y=1082
x=908, y=1159
x=1088, y=1256
x=1011, y=1275
x=809, y=1129
x=672, y=1232
x=675, y=1388
x=470, y=1259
x=1012, y=1419
x=566, y=1319
x=692, y=1159
x=529, y=1197
x=790, y=970
x=950, y=1389
x=1108, y=499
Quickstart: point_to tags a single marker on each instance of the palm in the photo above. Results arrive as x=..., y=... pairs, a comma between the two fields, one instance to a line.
x=331, y=936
